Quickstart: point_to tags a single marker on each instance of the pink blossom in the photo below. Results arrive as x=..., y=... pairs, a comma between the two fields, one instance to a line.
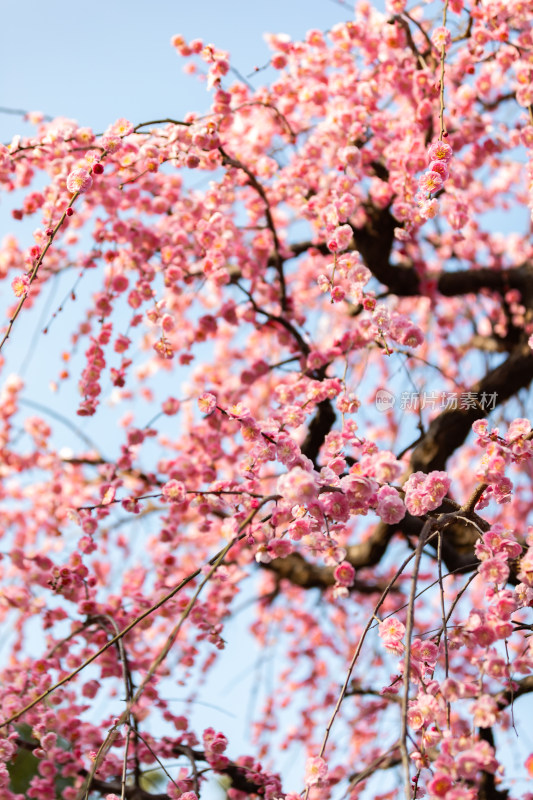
x=440, y=151
x=337, y=294
x=207, y=403
x=122, y=127
x=391, y=630
x=20, y=285
x=485, y=710
x=441, y=167
x=441, y=38
x=344, y=574
x=340, y=238
x=351, y=156
x=390, y=506
x=494, y=570
x=297, y=486
x=174, y=491
x=411, y=336
x=336, y=506
x=429, y=208
x=430, y=182
x=424, y=650
x=424, y=493
x=518, y=428
x=316, y=770
x=415, y=718
x=395, y=6
x=79, y=180
x=299, y=528
x=279, y=548
x=439, y=785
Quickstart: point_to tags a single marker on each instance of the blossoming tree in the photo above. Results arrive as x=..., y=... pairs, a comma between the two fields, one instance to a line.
x=319, y=293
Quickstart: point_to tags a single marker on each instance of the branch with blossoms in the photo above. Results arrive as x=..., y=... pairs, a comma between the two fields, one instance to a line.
x=331, y=255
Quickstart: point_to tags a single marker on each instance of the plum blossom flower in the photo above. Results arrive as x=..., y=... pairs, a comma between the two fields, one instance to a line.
x=439, y=785
x=297, y=485
x=173, y=491
x=395, y=6
x=494, y=570
x=518, y=428
x=350, y=156
x=111, y=143
x=441, y=167
x=425, y=493
x=412, y=336
x=340, y=238
x=484, y=710
x=122, y=127
x=344, y=573
x=315, y=770
x=79, y=180
x=391, y=631
x=441, y=38
x=337, y=294
x=20, y=285
x=424, y=650
x=415, y=718
x=428, y=208
x=207, y=403
x=430, y=181
x=390, y=505
x=440, y=151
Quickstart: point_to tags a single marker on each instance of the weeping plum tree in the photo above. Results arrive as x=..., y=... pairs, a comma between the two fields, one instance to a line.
x=298, y=326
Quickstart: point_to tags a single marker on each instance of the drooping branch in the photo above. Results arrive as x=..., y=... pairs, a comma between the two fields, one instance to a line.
x=278, y=260
x=446, y=433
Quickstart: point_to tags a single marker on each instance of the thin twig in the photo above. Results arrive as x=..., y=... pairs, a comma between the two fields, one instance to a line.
x=120, y=635
x=422, y=540
x=234, y=162
x=355, y=656
x=113, y=732
x=443, y=616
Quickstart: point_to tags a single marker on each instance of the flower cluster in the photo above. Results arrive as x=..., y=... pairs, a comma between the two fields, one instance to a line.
x=391, y=632
x=425, y=493
x=316, y=770
x=439, y=157
x=501, y=451
x=89, y=385
x=79, y=180
x=21, y=285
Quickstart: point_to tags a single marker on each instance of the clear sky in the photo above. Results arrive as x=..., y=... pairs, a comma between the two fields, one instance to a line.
x=106, y=59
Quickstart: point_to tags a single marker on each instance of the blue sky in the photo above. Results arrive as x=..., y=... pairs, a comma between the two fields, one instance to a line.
x=97, y=62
